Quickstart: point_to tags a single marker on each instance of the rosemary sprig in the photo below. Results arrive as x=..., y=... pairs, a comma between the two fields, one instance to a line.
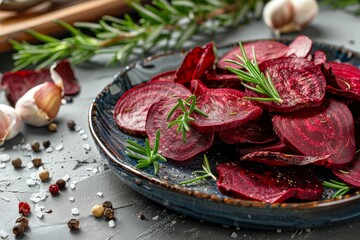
x=145, y=155
x=341, y=188
x=205, y=173
x=183, y=121
x=164, y=23
x=263, y=84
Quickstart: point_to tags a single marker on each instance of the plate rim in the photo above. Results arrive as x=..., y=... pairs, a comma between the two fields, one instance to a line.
x=319, y=204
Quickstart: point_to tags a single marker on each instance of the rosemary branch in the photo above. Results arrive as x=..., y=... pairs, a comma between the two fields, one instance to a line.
x=164, y=23
x=341, y=188
x=205, y=173
x=252, y=74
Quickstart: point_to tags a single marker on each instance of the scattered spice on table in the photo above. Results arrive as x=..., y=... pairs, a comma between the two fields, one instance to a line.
x=35, y=146
x=44, y=175
x=37, y=162
x=73, y=224
x=61, y=183
x=52, y=127
x=16, y=163
x=54, y=189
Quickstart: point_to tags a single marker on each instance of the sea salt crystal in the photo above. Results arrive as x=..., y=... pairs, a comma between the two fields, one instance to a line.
x=30, y=165
x=66, y=177
x=28, y=147
x=4, y=157
x=72, y=186
x=95, y=170
x=84, y=136
x=3, y=234
x=5, y=199
x=156, y=217
x=39, y=210
x=39, y=196
x=82, y=131
x=100, y=194
x=78, y=128
x=89, y=169
x=233, y=235
x=2, y=165
x=111, y=223
x=71, y=199
x=75, y=211
x=59, y=147
x=34, y=175
x=49, y=149
x=30, y=182
x=86, y=146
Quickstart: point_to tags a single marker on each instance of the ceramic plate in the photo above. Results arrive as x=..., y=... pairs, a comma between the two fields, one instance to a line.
x=203, y=201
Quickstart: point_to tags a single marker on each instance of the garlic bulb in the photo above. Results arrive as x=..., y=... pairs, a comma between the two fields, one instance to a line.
x=40, y=105
x=10, y=123
x=285, y=16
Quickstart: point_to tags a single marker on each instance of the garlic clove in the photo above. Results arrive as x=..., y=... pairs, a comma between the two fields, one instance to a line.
x=10, y=123
x=285, y=16
x=40, y=105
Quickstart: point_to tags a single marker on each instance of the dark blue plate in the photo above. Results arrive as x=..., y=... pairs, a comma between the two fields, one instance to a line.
x=204, y=201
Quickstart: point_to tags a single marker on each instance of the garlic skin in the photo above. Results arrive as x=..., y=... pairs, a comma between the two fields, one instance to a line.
x=10, y=123
x=40, y=105
x=284, y=16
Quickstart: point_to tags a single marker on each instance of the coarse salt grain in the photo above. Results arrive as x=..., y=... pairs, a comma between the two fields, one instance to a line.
x=156, y=217
x=86, y=146
x=30, y=165
x=30, y=182
x=75, y=211
x=233, y=235
x=72, y=186
x=4, y=157
x=71, y=199
x=95, y=170
x=89, y=169
x=66, y=177
x=82, y=131
x=111, y=223
x=78, y=128
x=2, y=165
x=84, y=136
x=59, y=147
x=100, y=194
x=4, y=234
x=5, y=199
x=49, y=149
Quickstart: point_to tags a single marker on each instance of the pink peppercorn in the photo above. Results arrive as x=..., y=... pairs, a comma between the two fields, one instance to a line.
x=54, y=189
x=24, y=208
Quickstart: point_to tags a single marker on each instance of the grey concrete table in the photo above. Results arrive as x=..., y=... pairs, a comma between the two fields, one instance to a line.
x=94, y=183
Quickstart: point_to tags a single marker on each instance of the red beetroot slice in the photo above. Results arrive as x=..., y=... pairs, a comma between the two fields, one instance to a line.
x=258, y=131
x=351, y=173
x=242, y=149
x=267, y=183
x=225, y=107
x=195, y=63
x=320, y=61
x=283, y=159
x=348, y=80
x=18, y=83
x=131, y=109
x=214, y=79
x=168, y=76
x=300, y=46
x=298, y=81
x=172, y=144
x=264, y=50
x=328, y=129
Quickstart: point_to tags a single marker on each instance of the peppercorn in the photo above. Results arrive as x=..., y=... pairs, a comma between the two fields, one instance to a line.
x=142, y=215
x=71, y=124
x=73, y=224
x=53, y=189
x=35, y=146
x=19, y=229
x=109, y=213
x=44, y=175
x=24, y=208
x=24, y=221
x=107, y=204
x=37, y=162
x=46, y=143
x=61, y=183
x=16, y=162
x=97, y=211
x=52, y=127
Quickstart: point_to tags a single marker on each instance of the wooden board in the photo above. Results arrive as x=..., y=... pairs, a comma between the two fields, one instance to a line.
x=40, y=18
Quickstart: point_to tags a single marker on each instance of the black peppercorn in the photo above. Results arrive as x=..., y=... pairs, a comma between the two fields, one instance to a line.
x=37, y=162
x=73, y=224
x=71, y=124
x=61, y=183
x=107, y=204
x=35, y=146
x=24, y=221
x=16, y=162
x=142, y=215
x=46, y=143
x=109, y=214
x=19, y=229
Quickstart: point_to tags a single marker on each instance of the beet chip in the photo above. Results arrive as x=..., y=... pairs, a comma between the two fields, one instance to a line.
x=266, y=183
x=131, y=109
x=351, y=173
x=301, y=46
x=299, y=82
x=225, y=107
x=172, y=144
x=328, y=129
x=195, y=63
x=168, y=76
x=244, y=149
x=282, y=159
x=19, y=82
x=264, y=50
